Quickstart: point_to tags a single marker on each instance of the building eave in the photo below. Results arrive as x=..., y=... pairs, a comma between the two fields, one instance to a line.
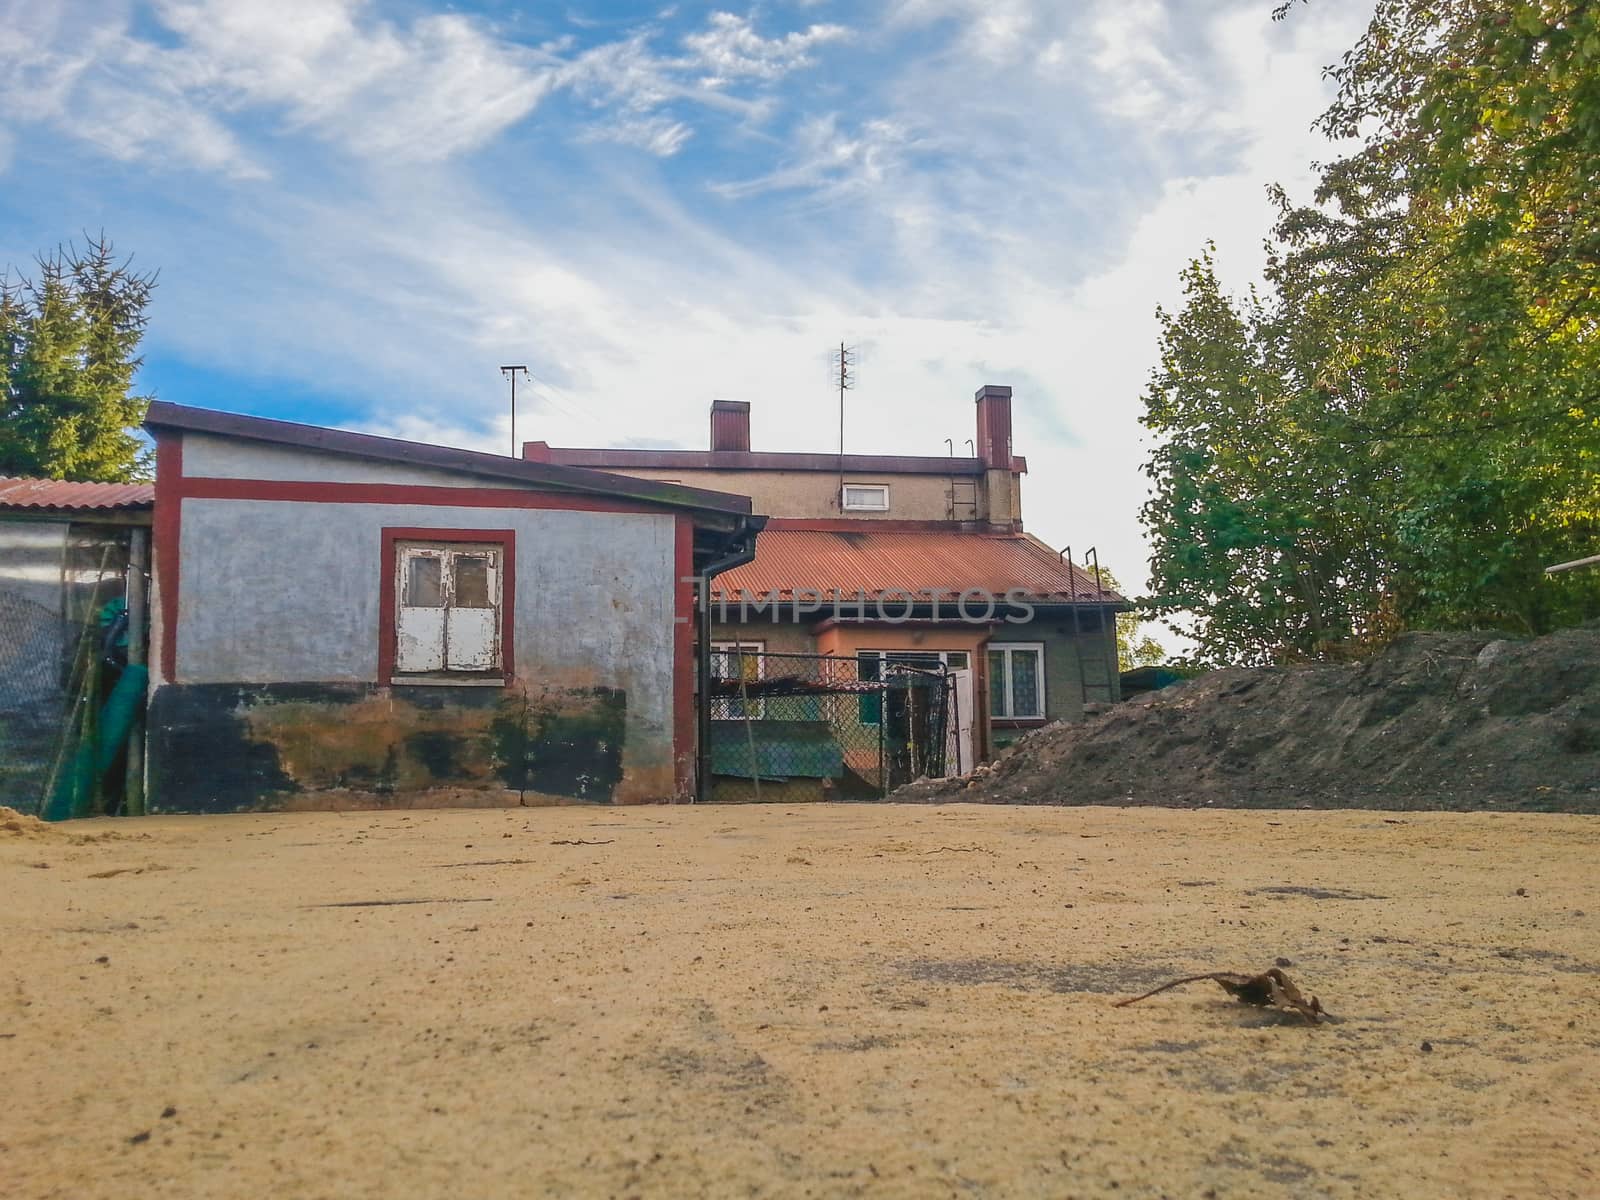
x=719, y=507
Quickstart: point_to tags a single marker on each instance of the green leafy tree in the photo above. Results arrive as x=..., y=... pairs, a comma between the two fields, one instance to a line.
x=1134, y=649
x=69, y=347
x=1404, y=428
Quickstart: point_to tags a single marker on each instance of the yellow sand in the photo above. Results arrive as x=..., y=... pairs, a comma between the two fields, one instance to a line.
x=14, y=824
x=822, y=1000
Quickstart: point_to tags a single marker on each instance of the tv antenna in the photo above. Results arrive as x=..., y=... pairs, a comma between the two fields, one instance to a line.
x=844, y=377
x=511, y=374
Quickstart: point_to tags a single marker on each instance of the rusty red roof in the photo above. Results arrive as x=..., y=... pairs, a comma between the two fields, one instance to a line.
x=66, y=495
x=845, y=557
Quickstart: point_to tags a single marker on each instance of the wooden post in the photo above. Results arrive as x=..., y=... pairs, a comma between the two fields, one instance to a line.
x=1592, y=561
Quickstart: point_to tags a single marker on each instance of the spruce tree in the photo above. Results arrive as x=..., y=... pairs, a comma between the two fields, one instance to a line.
x=69, y=348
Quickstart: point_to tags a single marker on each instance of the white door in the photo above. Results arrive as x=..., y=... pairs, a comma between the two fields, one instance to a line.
x=961, y=761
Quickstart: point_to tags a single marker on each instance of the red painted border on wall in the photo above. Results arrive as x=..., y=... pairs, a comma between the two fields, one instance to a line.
x=505, y=538
x=683, y=672
x=173, y=486
x=168, y=525
x=206, y=488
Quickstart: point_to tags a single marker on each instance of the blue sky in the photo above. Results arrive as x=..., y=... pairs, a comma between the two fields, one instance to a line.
x=360, y=208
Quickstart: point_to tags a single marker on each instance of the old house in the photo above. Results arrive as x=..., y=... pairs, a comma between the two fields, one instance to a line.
x=894, y=561
x=345, y=620
x=68, y=552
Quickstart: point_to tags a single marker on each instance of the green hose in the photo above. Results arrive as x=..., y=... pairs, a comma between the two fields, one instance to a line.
x=75, y=789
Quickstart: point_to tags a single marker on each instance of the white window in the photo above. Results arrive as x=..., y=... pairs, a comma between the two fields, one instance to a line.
x=1016, y=680
x=737, y=661
x=448, y=608
x=865, y=497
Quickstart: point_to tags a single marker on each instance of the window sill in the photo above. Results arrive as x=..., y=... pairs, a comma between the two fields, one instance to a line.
x=448, y=681
x=1019, y=722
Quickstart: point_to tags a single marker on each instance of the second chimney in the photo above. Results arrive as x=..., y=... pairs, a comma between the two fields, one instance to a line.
x=730, y=425
x=994, y=426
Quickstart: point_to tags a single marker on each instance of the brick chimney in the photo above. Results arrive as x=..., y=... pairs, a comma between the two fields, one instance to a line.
x=994, y=426
x=730, y=425
x=1001, y=501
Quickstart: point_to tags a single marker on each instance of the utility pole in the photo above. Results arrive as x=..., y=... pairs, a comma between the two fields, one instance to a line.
x=846, y=380
x=511, y=374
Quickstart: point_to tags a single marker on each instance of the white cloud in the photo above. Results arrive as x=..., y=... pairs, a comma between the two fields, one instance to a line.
x=78, y=72
x=375, y=87
x=424, y=92
x=661, y=136
x=998, y=31
x=730, y=49
x=1007, y=204
x=427, y=91
x=825, y=157
x=637, y=87
x=1139, y=79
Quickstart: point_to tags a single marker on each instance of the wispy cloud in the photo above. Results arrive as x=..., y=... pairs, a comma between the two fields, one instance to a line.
x=660, y=135
x=826, y=157
x=424, y=91
x=641, y=88
x=428, y=90
x=731, y=49
x=380, y=203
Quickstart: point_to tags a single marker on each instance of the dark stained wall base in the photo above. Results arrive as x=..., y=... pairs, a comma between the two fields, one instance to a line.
x=245, y=747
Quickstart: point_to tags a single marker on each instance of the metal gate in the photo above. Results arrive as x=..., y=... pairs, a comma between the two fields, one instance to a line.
x=791, y=727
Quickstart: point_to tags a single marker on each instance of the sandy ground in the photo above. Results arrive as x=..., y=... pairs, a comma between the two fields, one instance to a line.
x=824, y=1001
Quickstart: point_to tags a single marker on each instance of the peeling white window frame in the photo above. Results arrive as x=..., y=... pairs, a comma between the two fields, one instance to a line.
x=857, y=505
x=448, y=551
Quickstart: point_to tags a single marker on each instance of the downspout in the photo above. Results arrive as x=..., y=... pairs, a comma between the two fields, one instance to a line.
x=745, y=538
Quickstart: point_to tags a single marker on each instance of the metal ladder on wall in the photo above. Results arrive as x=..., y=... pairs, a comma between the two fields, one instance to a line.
x=1108, y=652
x=962, y=505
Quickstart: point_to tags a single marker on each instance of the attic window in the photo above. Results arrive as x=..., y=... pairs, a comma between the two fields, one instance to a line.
x=865, y=497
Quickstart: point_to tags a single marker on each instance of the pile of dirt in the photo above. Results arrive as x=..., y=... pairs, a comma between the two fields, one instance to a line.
x=1435, y=721
x=14, y=824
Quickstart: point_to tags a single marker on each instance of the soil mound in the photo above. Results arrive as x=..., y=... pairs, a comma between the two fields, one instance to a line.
x=1434, y=721
x=20, y=825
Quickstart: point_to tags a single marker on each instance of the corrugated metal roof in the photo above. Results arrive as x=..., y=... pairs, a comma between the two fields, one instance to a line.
x=846, y=561
x=65, y=494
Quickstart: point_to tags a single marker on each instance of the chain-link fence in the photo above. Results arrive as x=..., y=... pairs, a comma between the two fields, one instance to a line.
x=788, y=727
x=33, y=649
x=63, y=644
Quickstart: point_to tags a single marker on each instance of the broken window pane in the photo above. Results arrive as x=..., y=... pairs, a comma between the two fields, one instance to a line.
x=472, y=582
x=423, y=582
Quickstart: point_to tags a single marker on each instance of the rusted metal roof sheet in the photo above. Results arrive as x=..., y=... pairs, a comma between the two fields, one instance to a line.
x=832, y=559
x=62, y=495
